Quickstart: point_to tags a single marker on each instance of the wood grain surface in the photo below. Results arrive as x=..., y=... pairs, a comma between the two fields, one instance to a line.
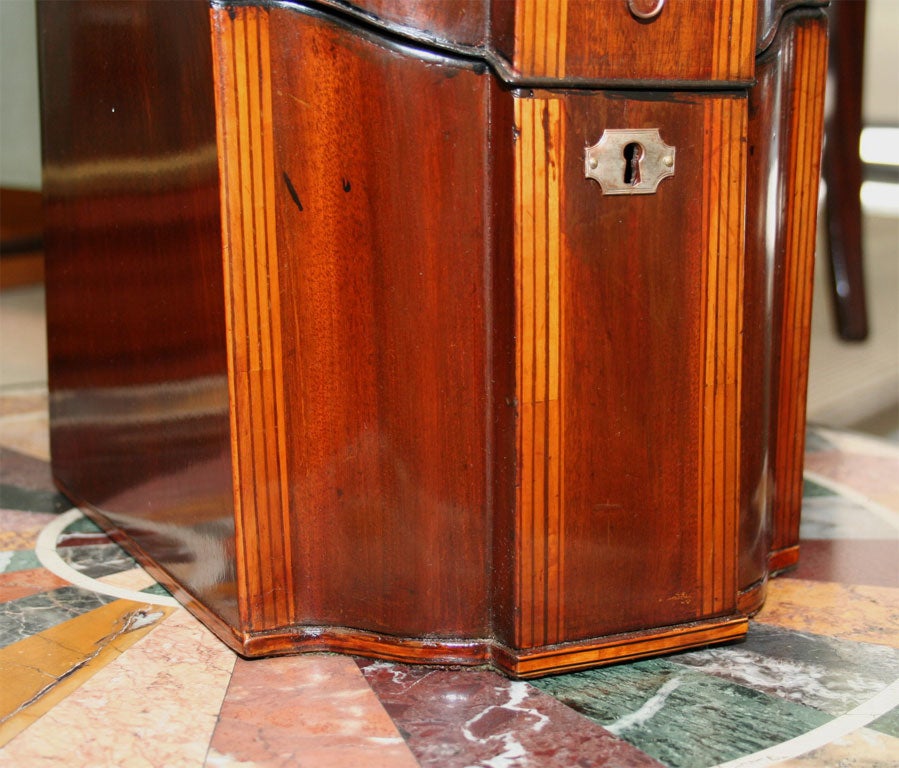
x=135, y=303
x=346, y=347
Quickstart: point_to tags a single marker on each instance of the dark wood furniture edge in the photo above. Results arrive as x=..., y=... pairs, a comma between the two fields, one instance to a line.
x=421, y=44
x=533, y=662
x=842, y=170
x=782, y=560
x=769, y=25
x=215, y=623
x=593, y=652
x=527, y=663
x=21, y=239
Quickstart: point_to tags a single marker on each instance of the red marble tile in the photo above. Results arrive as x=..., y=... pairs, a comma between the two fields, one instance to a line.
x=18, y=584
x=83, y=539
x=849, y=561
x=473, y=717
x=308, y=710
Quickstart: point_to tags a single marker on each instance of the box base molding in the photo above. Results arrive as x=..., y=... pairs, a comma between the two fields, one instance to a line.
x=519, y=663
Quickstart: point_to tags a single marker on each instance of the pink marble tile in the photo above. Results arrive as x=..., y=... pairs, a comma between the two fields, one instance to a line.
x=848, y=561
x=13, y=520
x=876, y=477
x=862, y=748
x=308, y=710
x=24, y=471
x=456, y=719
x=154, y=706
x=16, y=584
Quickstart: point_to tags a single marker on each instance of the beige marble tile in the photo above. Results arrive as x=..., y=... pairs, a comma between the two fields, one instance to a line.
x=30, y=435
x=861, y=613
x=24, y=401
x=11, y=540
x=156, y=705
x=863, y=748
x=136, y=579
x=309, y=710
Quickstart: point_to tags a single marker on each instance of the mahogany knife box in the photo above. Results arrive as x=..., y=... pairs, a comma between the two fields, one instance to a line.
x=350, y=351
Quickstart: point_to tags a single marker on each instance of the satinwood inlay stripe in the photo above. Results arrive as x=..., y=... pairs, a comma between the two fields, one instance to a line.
x=734, y=40
x=538, y=274
x=540, y=34
x=721, y=354
x=246, y=164
x=806, y=115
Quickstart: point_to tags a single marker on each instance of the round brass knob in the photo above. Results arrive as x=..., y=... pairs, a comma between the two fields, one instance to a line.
x=645, y=9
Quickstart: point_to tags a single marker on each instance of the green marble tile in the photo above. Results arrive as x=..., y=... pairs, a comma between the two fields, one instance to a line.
x=815, y=442
x=157, y=589
x=18, y=560
x=811, y=489
x=30, y=615
x=27, y=500
x=821, y=672
x=682, y=717
x=888, y=723
x=83, y=525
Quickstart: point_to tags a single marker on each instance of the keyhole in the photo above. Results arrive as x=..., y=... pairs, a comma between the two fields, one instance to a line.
x=633, y=153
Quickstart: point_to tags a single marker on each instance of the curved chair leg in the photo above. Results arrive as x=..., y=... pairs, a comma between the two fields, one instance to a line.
x=842, y=168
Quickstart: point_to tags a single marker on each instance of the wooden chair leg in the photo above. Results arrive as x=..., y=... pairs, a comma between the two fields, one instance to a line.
x=842, y=168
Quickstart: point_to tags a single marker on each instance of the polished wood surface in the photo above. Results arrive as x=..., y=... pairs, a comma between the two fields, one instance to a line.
x=135, y=305
x=843, y=168
x=689, y=40
x=785, y=111
x=21, y=237
x=804, y=113
x=772, y=12
x=622, y=340
x=21, y=220
x=532, y=42
x=397, y=379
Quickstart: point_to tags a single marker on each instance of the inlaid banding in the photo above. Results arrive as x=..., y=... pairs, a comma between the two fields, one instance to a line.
x=253, y=322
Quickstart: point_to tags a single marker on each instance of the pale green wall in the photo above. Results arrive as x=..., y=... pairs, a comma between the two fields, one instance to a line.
x=20, y=141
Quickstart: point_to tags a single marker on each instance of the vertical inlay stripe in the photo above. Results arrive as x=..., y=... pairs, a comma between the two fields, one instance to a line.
x=733, y=40
x=538, y=282
x=246, y=164
x=721, y=322
x=805, y=115
x=540, y=34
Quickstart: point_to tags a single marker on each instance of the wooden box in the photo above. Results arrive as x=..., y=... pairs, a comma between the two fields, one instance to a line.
x=348, y=349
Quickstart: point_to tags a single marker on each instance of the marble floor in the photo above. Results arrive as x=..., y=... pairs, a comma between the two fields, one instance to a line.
x=100, y=667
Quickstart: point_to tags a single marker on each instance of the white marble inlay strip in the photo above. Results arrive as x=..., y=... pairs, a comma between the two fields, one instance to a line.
x=45, y=549
x=839, y=727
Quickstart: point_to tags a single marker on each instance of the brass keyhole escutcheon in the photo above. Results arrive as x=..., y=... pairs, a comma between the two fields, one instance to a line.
x=629, y=162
